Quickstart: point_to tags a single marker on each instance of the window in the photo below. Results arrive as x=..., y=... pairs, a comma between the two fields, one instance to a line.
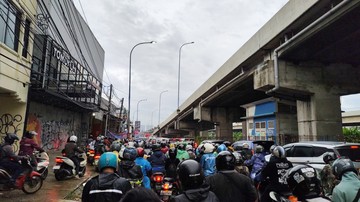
x=26, y=38
x=301, y=151
x=318, y=151
x=270, y=124
x=9, y=24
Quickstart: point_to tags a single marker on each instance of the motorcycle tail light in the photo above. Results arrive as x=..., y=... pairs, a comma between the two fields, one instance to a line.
x=59, y=160
x=292, y=198
x=158, y=178
x=92, y=152
x=97, y=157
x=166, y=186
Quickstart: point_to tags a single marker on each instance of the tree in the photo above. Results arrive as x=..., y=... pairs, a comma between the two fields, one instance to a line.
x=237, y=136
x=351, y=134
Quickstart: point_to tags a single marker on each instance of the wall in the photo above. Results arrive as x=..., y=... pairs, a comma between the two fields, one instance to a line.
x=54, y=125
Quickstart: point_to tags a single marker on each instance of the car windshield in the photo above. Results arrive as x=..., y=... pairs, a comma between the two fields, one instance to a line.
x=350, y=151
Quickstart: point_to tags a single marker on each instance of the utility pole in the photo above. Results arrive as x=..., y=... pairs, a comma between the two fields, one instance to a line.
x=120, y=115
x=109, y=111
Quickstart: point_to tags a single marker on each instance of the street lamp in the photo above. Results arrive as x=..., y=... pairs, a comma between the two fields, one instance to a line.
x=128, y=120
x=160, y=103
x=137, y=109
x=178, y=110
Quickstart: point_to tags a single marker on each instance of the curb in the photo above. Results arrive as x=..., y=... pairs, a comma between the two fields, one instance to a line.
x=82, y=183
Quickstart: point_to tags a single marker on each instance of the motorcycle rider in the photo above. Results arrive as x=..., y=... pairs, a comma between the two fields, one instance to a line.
x=192, y=183
x=246, y=151
x=229, y=185
x=107, y=186
x=276, y=170
x=127, y=167
x=239, y=167
x=70, y=151
x=9, y=160
x=157, y=159
x=304, y=184
x=327, y=177
x=257, y=162
x=207, y=160
x=182, y=154
x=115, y=147
x=145, y=166
x=349, y=187
x=189, y=149
x=171, y=163
x=28, y=145
x=164, y=148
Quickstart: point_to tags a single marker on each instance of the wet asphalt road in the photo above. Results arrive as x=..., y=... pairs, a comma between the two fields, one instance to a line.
x=52, y=190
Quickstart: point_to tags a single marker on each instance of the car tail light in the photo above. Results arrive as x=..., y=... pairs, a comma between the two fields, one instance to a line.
x=354, y=147
x=59, y=160
x=158, y=178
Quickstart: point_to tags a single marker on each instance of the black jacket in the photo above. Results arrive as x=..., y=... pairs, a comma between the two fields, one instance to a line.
x=71, y=148
x=202, y=194
x=232, y=186
x=129, y=170
x=105, y=188
x=275, y=170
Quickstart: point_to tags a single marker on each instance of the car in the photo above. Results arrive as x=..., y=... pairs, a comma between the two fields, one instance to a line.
x=312, y=153
x=252, y=144
x=212, y=141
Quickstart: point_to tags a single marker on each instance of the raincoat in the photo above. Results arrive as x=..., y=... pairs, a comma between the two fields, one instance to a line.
x=182, y=155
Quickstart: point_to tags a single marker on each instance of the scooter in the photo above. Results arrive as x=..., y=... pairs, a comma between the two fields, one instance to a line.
x=289, y=197
x=42, y=163
x=90, y=156
x=65, y=167
x=163, y=186
x=29, y=181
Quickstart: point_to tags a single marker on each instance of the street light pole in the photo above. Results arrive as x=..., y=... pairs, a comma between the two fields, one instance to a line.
x=160, y=103
x=137, y=109
x=129, y=99
x=178, y=100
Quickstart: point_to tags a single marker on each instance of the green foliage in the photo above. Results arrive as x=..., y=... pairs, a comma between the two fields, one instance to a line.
x=237, y=136
x=351, y=134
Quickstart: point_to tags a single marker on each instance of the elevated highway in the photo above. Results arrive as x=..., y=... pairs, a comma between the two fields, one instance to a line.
x=308, y=54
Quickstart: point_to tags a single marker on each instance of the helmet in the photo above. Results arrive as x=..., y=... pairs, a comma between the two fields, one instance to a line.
x=279, y=152
x=208, y=148
x=156, y=147
x=328, y=157
x=238, y=158
x=225, y=161
x=30, y=134
x=181, y=147
x=302, y=181
x=199, y=150
x=115, y=146
x=130, y=153
x=246, y=146
x=108, y=159
x=341, y=166
x=189, y=147
x=272, y=148
x=190, y=174
x=10, y=138
x=259, y=149
x=131, y=144
x=172, y=153
x=221, y=148
x=227, y=143
x=73, y=138
x=140, y=151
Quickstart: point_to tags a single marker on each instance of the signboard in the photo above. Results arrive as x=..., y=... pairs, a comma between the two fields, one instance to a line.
x=137, y=125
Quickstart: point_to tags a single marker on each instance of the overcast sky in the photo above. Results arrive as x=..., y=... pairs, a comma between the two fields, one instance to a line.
x=218, y=28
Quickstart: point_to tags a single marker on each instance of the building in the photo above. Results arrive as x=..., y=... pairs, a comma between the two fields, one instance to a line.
x=16, y=45
x=66, y=75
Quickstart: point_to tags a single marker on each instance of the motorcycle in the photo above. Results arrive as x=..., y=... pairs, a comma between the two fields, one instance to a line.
x=163, y=186
x=90, y=154
x=29, y=181
x=289, y=197
x=96, y=161
x=42, y=163
x=65, y=167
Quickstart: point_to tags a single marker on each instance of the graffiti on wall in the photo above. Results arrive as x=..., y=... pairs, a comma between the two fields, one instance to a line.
x=10, y=123
x=52, y=134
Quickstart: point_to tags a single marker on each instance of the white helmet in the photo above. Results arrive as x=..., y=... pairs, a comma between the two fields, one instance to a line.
x=73, y=138
x=188, y=147
x=246, y=146
x=208, y=148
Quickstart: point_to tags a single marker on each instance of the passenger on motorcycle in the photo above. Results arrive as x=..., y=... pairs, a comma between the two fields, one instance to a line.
x=107, y=186
x=182, y=154
x=171, y=163
x=9, y=160
x=189, y=149
x=164, y=148
x=28, y=146
x=157, y=159
x=99, y=145
x=229, y=185
x=145, y=166
x=115, y=147
x=207, y=160
x=349, y=187
x=327, y=178
x=71, y=149
x=239, y=164
x=128, y=169
x=192, y=184
x=257, y=162
x=276, y=170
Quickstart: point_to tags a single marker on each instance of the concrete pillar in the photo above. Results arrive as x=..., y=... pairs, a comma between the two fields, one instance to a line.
x=223, y=123
x=320, y=118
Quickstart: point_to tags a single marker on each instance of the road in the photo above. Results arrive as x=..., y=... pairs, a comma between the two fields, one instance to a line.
x=52, y=190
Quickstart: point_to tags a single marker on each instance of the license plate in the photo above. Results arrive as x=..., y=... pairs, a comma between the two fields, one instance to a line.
x=165, y=193
x=56, y=167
